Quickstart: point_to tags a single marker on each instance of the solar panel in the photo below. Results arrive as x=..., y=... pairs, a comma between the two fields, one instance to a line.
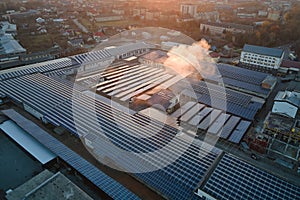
x=200, y=116
x=236, y=179
x=188, y=115
x=182, y=110
x=229, y=127
x=218, y=124
x=209, y=119
x=247, y=86
x=239, y=132
x=37, y=68
x=108, y=185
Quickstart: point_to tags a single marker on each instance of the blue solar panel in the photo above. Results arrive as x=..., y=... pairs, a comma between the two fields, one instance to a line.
x=247, y=86
x=216, y=91
x=239, y=132
x=53, y=100
x=43, y=67
x=112, y=188
x=229, y=127
x=236, y=179
x=241, y=74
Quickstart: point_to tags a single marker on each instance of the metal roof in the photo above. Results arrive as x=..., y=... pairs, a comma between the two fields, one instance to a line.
x=263, y=50
x=108, y=185
x=32, y=146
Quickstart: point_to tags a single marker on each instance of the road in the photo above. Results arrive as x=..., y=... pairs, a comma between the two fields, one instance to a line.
x=83, y=28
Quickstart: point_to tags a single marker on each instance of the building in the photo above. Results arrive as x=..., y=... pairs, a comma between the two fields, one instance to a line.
x=47, y=185
x=209, y=16
x=220, y=28
x=261, y=58
x=196, y=169
x=10, y=49
x=283, y=128
x=287, y=103
x=8, y=28
x=108, y=18
x=274, y=15
x=188, y=9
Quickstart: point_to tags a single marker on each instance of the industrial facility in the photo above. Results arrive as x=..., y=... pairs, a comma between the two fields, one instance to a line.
x=128, y=102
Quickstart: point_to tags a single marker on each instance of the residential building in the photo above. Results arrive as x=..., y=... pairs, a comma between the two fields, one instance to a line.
x=219, y=28
x=274, y=15
x=261, y=58
x=188, y=9
x=209, y=16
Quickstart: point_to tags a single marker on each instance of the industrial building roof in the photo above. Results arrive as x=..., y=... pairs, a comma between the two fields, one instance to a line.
x=236, y=179
x=52, y=101
x=292, y=97
x=47, y=185
x=31, y=145
x=263, y=50
x=8, y=45
x=108, y=185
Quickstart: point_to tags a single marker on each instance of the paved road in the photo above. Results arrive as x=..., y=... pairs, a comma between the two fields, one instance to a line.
x=83, y=28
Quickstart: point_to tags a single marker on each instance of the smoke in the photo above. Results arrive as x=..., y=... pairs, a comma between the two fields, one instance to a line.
x=187, y=59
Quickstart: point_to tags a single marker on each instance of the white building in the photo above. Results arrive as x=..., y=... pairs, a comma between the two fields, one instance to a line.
x=219, y=28
x=188, y=9
x=8, y=28
x=261, y=58
x=287, y=103
x=10, y=49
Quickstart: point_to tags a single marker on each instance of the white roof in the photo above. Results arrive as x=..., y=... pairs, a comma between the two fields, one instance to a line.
x=285, y=108
x=31, y=145
x=10, y=45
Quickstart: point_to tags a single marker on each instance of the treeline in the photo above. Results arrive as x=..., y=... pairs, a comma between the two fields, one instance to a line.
x=272, y=34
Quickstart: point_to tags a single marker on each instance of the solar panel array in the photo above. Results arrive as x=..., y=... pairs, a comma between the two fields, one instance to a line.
x=186, y=173
x=108, y=185
x=128, y=48
x=231, y=101
x=176, y=181
x=239, y=132
x=38, y=91
x=242, y=78
x=52, y=99
x=42, y=67
x=236, y=179
x=213, y=121
x=216, y=91
x=130, y=80
x=92, y=56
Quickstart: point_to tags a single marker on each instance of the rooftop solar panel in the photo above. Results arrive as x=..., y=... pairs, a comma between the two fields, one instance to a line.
x=218, y=124
x=36, y=68
x=236, y=179
x=229, y=127
x=200, y=116
x=239, y=132
x=188, y=115
x=112, y=188
x=182, y=110
x=209, y=119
